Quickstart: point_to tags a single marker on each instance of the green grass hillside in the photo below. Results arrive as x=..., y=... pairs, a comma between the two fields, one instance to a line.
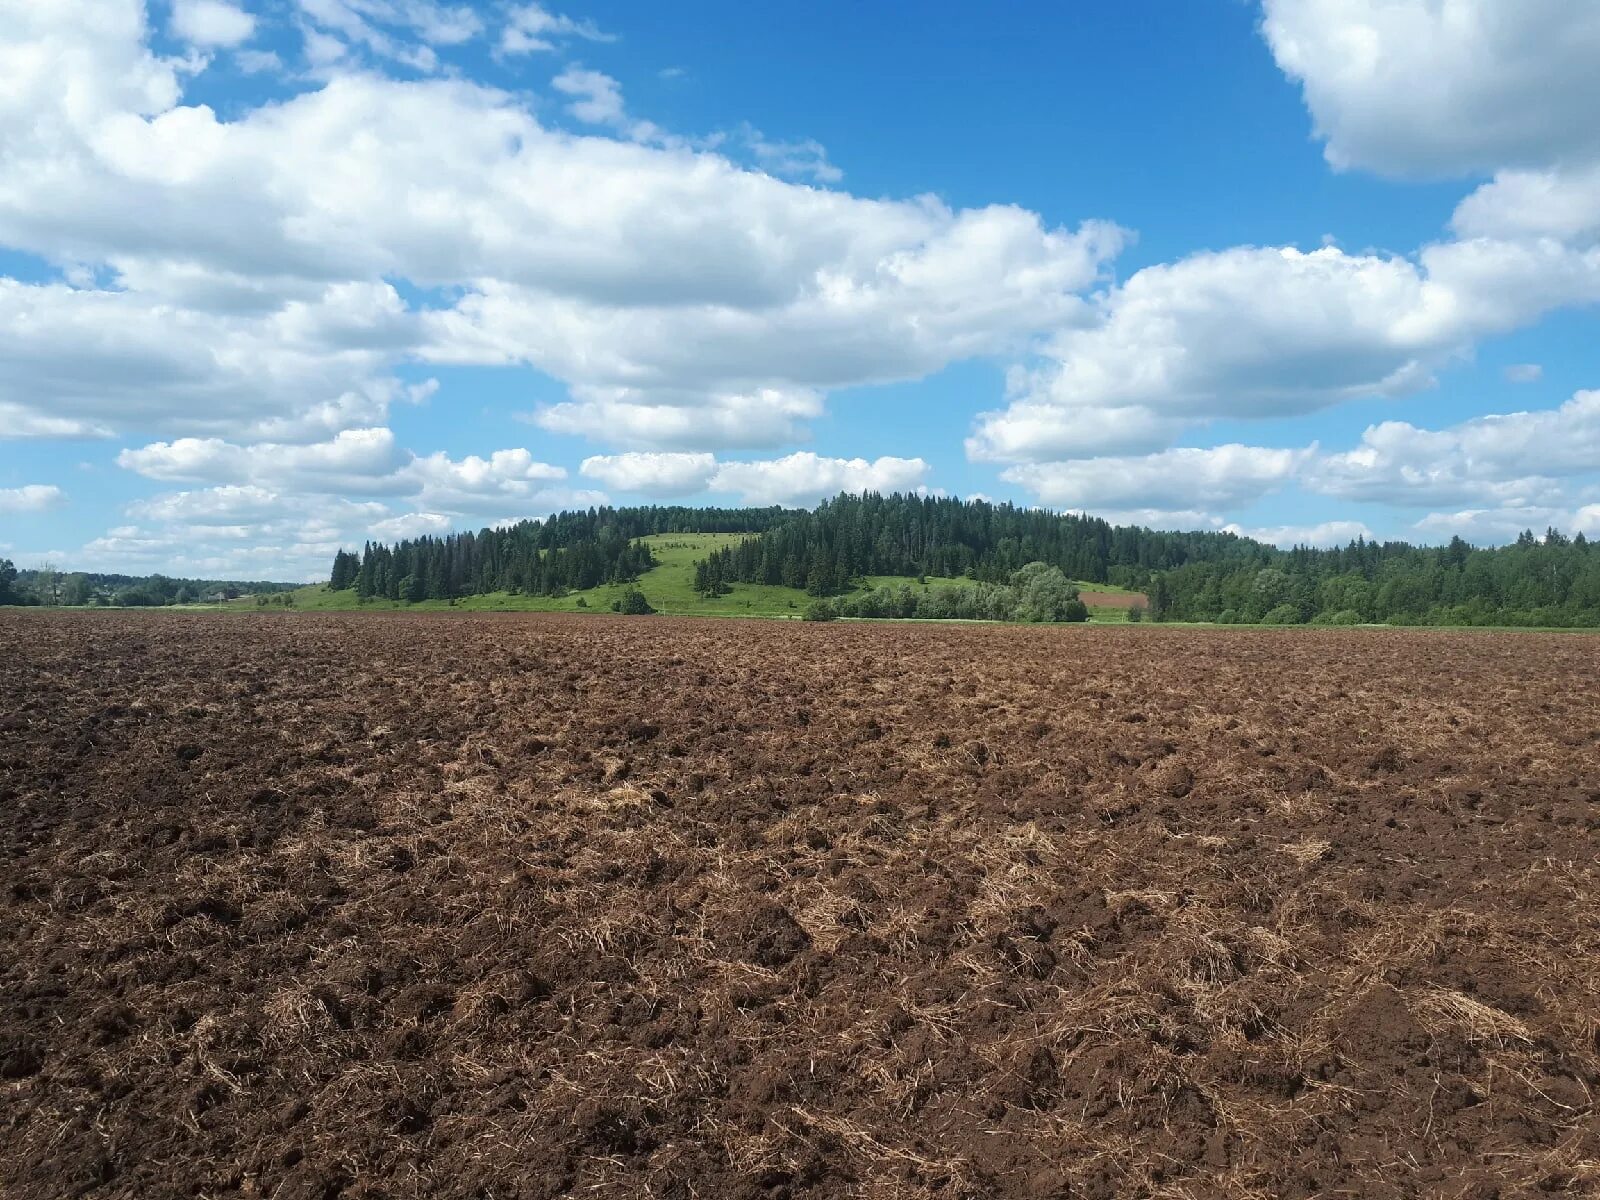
x=669, y=587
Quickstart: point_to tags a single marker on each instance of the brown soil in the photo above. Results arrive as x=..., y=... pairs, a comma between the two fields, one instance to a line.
x=533, y=906
x=1114, y=599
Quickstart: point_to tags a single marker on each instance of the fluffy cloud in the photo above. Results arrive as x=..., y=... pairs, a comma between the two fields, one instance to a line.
x=760, y=418
x=1039, y=430
x=1443, y=87
x=935, y=286
x=236, y=531
x=1505, y=471
x=406, y=31
x=31, y=498
x=284, y=551
x=1490, y=526
x=363, y=462
x=228, y=277
x=806, y=478
x=254, y=531
x=213, y=229
x=596, y=97
x=805, y=159
x=1185, y=480
x=237, y=505
x=19, y=422
x=410, y=525
x=506, y=479
x=210, y=23
x=796, y=479
x=84, y=362
x=1244, y=332
x=1515, y=459
x=533, y=28
x=1269, y=332
x=1322, y=534
x=654, y=474
x=1255, y=332
x=1561, y=203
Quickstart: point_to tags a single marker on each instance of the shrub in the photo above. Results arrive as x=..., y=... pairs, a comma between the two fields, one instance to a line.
x=1044, y=593
x=580, y=602
x=633, y=604
x=1345, y=616
x=1228, y=616
x=1135, y=613
x=1283, y=614
x=819, y=610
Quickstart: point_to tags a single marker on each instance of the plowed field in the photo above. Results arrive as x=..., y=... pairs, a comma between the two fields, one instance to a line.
x=531, y=906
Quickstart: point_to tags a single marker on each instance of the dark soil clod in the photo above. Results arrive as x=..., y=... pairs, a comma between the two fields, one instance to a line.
x=406, y=906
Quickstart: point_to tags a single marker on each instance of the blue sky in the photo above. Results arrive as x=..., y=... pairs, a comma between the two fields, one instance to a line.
x=278, y=277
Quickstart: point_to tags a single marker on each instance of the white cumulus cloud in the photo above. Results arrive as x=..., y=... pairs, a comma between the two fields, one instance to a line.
x=596, y=98
x=363, y=462
x=1182, y=480
x=1323, y=534
x=31, y=498
x=805, y=478
x=1492, y=526
x=1268, y=332
x=212, y=23
x=1514, y=459
x=411, y=525
x=1443, y=87
x=272, y=233
x=652, y=473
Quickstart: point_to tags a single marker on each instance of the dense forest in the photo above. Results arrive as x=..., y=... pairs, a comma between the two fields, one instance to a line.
x=48, y=586
x=1553, y=580
x=568, y=552
x=851, y=536
x=1549, y=581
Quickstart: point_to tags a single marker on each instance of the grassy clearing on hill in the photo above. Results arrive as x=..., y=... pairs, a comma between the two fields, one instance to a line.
x=669, y=587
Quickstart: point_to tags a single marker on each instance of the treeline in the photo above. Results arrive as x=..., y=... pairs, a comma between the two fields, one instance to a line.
x=1549, y=581
x=1208, y=576
x=48, y=586
x=570, y=551
x=852, y=536
x=1036, y=593
x=1554, y=580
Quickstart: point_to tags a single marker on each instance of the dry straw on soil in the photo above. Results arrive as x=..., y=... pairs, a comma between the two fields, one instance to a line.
x=534, y=906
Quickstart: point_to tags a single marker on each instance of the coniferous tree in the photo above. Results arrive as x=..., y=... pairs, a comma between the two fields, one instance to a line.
x=345, y=568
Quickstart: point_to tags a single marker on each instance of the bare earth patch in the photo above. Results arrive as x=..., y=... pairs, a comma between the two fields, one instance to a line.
x=534, y=906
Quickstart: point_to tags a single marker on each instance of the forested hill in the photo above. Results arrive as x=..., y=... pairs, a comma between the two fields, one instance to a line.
x=842, y=539
x=1211, y=576
x=851, y=536
x=568, y=551
x=1552, y=580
